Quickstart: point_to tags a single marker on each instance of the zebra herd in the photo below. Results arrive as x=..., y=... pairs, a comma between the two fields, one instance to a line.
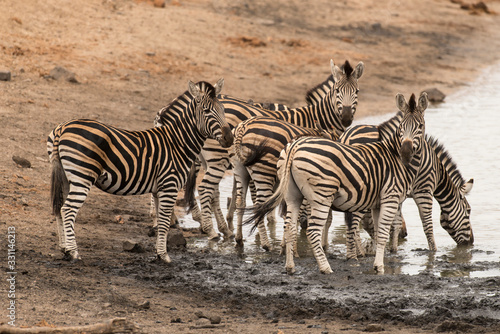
x=309, y=159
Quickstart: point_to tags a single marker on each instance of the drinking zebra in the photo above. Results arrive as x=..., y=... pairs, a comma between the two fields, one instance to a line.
x=121, y=162
x=326, y=173
x=258, y=142
x=335, y=109
x=432, y=175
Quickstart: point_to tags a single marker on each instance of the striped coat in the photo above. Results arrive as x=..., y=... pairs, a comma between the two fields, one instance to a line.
x=326, y=173
x=84, y=153
x=335, y=109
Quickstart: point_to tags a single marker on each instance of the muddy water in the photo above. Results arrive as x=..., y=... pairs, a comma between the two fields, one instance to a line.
x=467, y=125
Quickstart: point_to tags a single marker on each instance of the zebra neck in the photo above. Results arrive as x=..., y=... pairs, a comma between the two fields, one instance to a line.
x=322, y=112
x=446, y=190
x=181, y=130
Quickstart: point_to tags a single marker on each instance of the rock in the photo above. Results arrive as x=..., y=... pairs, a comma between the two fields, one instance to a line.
x=435, y=95
x=5, y=76
x=133, y=247
x=145, y=306
x=24, y=163
x=159, y=3
x=372, y=328
x=201, y=322
x=215, y=319
x=176, y=239
x=199, y=314
x=62, y=73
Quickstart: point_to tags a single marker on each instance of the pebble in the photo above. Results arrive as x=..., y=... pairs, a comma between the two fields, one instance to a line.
x=59, y=72
x=22, y=162
x=133, y=247
x=5, y=76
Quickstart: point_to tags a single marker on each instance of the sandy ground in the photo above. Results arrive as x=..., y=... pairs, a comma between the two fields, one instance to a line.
x=131, y=58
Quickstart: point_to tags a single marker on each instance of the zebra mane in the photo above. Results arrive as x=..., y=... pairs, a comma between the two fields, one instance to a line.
x=387, y=128
x=180, y=102
x=317, y=93
x=412, y=104
x=449, y=165
x=347, y=69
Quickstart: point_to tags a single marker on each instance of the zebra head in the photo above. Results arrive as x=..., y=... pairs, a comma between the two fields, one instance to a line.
x=210, y=117
x=346, y=90
x=455, y=218
x=411, y=130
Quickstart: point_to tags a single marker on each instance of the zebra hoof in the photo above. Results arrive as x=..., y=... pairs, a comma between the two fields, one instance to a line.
x=164, y=258
x=290, y=270
x=379, y=270
x=327, y=271
x=213, y=235
x=71, y=256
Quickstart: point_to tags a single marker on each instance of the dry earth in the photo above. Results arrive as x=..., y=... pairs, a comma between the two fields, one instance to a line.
x=129, y=59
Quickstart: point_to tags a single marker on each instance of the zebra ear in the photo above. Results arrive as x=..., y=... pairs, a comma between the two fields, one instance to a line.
x=194, y=90
x=358, y=72
x=467, y=187
x=336, y=71
x=401, y=102
x=423, y=101
x=218, y=86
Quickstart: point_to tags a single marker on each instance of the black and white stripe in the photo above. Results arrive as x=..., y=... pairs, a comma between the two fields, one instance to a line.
x=326, y=173
x=258, y=142
x=333, y=110
x=84, y=153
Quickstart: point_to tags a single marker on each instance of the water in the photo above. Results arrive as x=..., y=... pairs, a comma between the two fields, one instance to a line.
x=467, y=125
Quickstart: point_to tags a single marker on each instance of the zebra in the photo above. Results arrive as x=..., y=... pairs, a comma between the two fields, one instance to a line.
x=335, y=109
x=327, y=173
x=86, y=152
x=432, y=175
x=257, y=144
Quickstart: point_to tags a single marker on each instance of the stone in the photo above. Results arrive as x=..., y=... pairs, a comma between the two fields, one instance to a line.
x=159, y=3
x=215, y=319
x=5, y=75
x=133, y=247
x=22, y=162
x=435, y=95
x=176, y=239
x=59, y=72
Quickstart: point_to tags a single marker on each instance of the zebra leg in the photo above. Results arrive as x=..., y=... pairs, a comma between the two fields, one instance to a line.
x=153, y=210
x=213, y=176
x=241, y=178
x=73, y=203
x=219, y=216
x=383, y=219
x=395, y=229
x=165, y=210
x=231, y=208
x=353, y=240
x=424, y=203
x=315, y=226
x=324, y=239
x=291, y=219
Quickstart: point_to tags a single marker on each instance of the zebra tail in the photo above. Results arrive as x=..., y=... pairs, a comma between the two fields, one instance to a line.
x=58, y=180
x=261, y=210
x=189, y=189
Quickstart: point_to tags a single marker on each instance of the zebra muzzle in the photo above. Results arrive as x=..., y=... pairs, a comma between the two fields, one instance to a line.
x=406, y=151
x=347, y=116
x=227, y=137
